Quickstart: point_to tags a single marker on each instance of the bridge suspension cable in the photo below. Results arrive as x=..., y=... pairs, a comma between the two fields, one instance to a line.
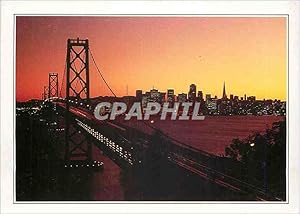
x=63, y=78
x=101, y=73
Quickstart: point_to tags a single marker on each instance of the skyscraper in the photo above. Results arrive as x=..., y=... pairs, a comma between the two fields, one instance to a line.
x=200, y=96
x=212, y=105
x=251, y=98
x=139, y=95
x=182, y=97
x=154, y=95
x=162, y=97
x=192, y=93
x=170, y=96
x=224, y=92
x=207, y=97
x=145, y=99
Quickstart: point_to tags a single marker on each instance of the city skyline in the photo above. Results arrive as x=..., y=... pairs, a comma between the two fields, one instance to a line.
x=186, y=92
x=167, y=52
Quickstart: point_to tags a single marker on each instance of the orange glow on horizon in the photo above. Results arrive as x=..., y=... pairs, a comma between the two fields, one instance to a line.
x=248, y=53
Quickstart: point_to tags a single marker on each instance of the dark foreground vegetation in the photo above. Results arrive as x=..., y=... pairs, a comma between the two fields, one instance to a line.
x=263, y=157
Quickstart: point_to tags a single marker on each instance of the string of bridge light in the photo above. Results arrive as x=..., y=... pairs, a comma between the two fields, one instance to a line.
x=93, y=165
x=78, y=103
x=126, y=155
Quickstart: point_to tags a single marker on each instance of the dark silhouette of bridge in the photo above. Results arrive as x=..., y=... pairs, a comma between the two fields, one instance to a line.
x=130, y=148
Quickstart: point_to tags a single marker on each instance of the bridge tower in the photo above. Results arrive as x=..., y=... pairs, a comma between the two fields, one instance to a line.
x=77, y=90
x=46, y=92
x=53, y=85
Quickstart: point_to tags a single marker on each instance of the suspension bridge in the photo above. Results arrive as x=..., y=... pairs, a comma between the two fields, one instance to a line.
x=129, y=147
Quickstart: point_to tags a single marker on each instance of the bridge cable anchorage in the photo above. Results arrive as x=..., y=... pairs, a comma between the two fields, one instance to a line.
x=101, y=73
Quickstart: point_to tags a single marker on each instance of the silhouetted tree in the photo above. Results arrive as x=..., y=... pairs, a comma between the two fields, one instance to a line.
x=263, y=157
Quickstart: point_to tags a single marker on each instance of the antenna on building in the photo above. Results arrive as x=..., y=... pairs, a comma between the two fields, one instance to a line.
x=224, y=91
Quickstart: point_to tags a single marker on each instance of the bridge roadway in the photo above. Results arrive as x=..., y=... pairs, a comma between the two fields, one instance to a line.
x=128, y=147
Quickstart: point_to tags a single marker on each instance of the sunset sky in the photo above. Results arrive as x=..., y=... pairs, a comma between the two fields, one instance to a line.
x=249, y=54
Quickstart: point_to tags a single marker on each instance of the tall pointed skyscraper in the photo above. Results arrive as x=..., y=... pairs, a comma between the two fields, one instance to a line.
x=224, y=92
